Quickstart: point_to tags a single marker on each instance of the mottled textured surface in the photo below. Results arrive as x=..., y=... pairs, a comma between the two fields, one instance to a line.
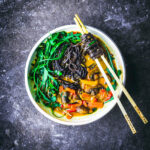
x=22, y=23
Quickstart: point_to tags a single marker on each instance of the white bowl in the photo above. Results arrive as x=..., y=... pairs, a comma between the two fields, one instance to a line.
x=81, y=119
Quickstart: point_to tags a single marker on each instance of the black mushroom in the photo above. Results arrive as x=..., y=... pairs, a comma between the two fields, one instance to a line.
x=66, y=84
x=72, y=64
x=64, y=97
x=91, y=46
x=95, y=91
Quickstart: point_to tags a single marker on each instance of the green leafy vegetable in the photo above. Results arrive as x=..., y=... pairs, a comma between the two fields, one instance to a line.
x=92, y=42
x=46, y=85
x=58, y=73
x=112, y=66
x=119, y=73
x=110, y=58
x=45, y=75
x=53, y=99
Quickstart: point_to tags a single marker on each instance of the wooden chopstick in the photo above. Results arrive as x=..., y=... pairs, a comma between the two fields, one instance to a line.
x=76, y=21
x=116, y=97
x=125, y=91
x=145, y=121
x=82, y=27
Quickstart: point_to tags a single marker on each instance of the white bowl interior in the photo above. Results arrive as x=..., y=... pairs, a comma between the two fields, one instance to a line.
x=81, y=119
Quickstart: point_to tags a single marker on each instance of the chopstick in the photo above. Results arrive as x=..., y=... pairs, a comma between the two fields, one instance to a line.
x=145, y=121
x=83, y=29
x=76, y=21
x=82, y=25
x=117, y=99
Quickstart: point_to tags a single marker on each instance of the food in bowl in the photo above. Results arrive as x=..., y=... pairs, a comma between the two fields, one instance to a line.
x=66, y=79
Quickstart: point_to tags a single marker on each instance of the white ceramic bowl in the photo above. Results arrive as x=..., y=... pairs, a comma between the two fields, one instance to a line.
x=82, y=119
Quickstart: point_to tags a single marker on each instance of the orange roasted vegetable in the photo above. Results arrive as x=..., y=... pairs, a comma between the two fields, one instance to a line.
x=72, y=106
x=109, y=95
x=95, y=104
x=71, y=110
x=102, y=94
x=102, y=81
x=72, y=91
x=88, y=97
x=68, y=116
x=61, y=88
x=91, y=83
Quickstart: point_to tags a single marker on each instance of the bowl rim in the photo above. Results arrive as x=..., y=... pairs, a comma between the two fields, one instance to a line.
x=27, y=85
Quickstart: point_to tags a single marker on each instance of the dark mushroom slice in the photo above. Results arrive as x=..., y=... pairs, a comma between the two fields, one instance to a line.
x=66, y=84
x=70, y=64
x=92, y=46
x=64, y=97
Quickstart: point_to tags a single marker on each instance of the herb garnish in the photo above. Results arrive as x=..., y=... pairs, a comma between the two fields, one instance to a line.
x=43, y=75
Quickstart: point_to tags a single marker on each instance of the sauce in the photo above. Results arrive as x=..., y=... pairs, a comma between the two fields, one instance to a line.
x=101, y=81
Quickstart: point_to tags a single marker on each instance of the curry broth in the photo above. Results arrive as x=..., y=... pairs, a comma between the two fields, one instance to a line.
x=88, y=62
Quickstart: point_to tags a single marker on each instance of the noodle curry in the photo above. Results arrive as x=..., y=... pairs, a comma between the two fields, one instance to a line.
x=65, y=76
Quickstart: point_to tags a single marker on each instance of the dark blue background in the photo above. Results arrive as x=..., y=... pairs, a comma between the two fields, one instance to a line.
x=22, y=23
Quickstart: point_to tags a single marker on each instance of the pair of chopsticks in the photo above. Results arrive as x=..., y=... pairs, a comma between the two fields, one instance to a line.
x=84, y=31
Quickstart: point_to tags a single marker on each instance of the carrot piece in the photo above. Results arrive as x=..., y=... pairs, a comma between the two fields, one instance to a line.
x=61, y=88
x=70, y=90
x=68, y=116
x=73, y=106
x=85, y=95
x=102, y=94
x=71, y=110
x=95, y=105
x=108, y=96
x=103, y=90
x=75, y=32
